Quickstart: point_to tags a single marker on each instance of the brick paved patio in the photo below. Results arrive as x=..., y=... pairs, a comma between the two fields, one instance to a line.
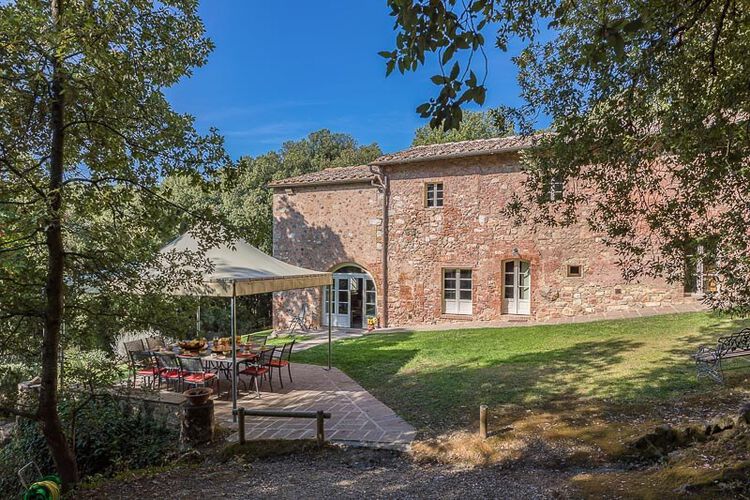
x=357, y=417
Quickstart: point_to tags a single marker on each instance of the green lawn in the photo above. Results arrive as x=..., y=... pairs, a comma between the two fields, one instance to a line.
x=280, y=340
x=285, y=339
x=434, y=379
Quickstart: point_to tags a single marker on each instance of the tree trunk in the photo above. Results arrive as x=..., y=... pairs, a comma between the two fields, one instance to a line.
x=48, y=412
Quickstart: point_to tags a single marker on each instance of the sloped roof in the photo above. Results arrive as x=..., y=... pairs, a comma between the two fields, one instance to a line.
x=459, y=149
x=336, y=175
x=241, y=269
x=363, y=173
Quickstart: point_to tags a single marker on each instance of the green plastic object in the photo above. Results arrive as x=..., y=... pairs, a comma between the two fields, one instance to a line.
x=47, y=488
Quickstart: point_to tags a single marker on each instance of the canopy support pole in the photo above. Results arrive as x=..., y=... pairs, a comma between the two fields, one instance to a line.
x=198, y=319
x=330, y=321
x=234, y=351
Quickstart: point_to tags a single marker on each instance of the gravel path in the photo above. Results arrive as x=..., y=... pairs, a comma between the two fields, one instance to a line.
x=339, y=474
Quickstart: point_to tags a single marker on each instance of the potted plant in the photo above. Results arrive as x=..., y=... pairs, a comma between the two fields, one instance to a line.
x=372, y=322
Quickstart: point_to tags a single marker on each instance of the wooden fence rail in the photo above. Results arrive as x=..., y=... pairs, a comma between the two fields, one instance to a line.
x=318, y=415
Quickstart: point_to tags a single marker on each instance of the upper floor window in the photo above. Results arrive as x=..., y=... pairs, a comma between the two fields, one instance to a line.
x=553, y=188
x=434, y=194
x=556, y=188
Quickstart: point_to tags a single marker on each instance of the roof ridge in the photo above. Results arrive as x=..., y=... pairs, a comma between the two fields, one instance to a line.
x=329, y=175
x=457, y=149
x=449, y=143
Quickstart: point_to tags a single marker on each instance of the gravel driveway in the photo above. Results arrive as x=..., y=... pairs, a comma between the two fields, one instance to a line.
x=339, y=474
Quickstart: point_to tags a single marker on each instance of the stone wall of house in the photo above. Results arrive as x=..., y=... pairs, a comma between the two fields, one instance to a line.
x=322, y=228
x=470, y=231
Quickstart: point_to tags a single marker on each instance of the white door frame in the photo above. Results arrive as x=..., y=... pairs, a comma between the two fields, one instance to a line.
x=344, y=319
x=342, y=309
x=515, y=284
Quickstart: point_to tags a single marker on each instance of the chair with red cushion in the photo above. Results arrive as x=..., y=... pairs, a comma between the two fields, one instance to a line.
x=154, y=343
x=259, y=368
x=193, y=372
x=168, y=369
x=141, y=363
x=284, y=359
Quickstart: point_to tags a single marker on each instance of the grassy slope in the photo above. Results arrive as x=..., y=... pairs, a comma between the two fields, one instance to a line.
x=434, y=378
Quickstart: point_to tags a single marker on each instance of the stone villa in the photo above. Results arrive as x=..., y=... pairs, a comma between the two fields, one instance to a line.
x=418, y=237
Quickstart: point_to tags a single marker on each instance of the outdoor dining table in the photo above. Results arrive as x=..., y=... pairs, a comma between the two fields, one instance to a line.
x=222, y=363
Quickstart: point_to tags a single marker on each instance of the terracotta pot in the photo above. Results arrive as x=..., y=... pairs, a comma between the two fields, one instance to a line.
x=198, y=395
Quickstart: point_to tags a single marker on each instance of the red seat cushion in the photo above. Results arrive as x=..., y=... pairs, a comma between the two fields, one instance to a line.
x=199, y=377
x=279, y=362
x=170, y=374
x=253, y=370
x=148, y=372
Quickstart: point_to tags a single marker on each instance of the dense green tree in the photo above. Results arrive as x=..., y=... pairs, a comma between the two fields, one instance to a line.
x=86, y=134
x=240, y=194
x=649, y=102
x=474, y=125
x=248, y=205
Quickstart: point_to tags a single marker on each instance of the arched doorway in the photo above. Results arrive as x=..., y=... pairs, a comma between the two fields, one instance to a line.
x=354, y=298
x=517, y=287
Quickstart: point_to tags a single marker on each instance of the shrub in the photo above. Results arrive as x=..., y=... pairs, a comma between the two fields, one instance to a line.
x=12, y=373
x=89, y=370
x=108, y=439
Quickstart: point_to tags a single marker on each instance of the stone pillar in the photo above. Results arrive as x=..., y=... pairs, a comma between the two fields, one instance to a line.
x=198, y=423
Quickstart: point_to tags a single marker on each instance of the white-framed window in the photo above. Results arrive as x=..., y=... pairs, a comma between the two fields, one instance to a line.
x=433, y=195
x=457, y=291
x=370, y=299
x=700, y=272
x=554, y=188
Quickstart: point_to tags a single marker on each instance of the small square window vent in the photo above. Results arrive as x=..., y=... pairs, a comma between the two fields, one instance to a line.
x=575, y=271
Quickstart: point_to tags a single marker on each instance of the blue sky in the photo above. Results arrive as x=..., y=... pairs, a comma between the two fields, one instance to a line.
x=282, y=69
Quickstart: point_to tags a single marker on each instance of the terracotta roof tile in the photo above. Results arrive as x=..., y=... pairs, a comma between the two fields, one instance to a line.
x=458, y=149
x=363, y=173
x=337, y=175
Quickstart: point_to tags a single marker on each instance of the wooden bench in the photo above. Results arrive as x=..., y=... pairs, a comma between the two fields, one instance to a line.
x=708, y=359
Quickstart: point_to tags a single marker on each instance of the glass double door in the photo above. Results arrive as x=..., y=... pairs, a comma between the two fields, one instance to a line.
x=353, y=300
x=517, y=287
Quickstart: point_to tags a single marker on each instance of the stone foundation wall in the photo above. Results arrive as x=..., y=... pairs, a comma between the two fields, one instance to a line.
x=167, y=411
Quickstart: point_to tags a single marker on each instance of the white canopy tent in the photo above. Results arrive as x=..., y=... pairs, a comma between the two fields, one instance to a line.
x=241, y=269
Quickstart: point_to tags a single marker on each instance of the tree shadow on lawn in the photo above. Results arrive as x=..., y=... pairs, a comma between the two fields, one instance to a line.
x=619, y=372
x=709, y=334
x=448, y=399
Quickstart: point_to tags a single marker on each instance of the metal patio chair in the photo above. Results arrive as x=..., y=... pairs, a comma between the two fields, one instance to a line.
x=193, y=372
x=259, y=368
x=299, y=320
x=154, y=343
x=284, y=359
x=140, y=362
x=168, y=369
